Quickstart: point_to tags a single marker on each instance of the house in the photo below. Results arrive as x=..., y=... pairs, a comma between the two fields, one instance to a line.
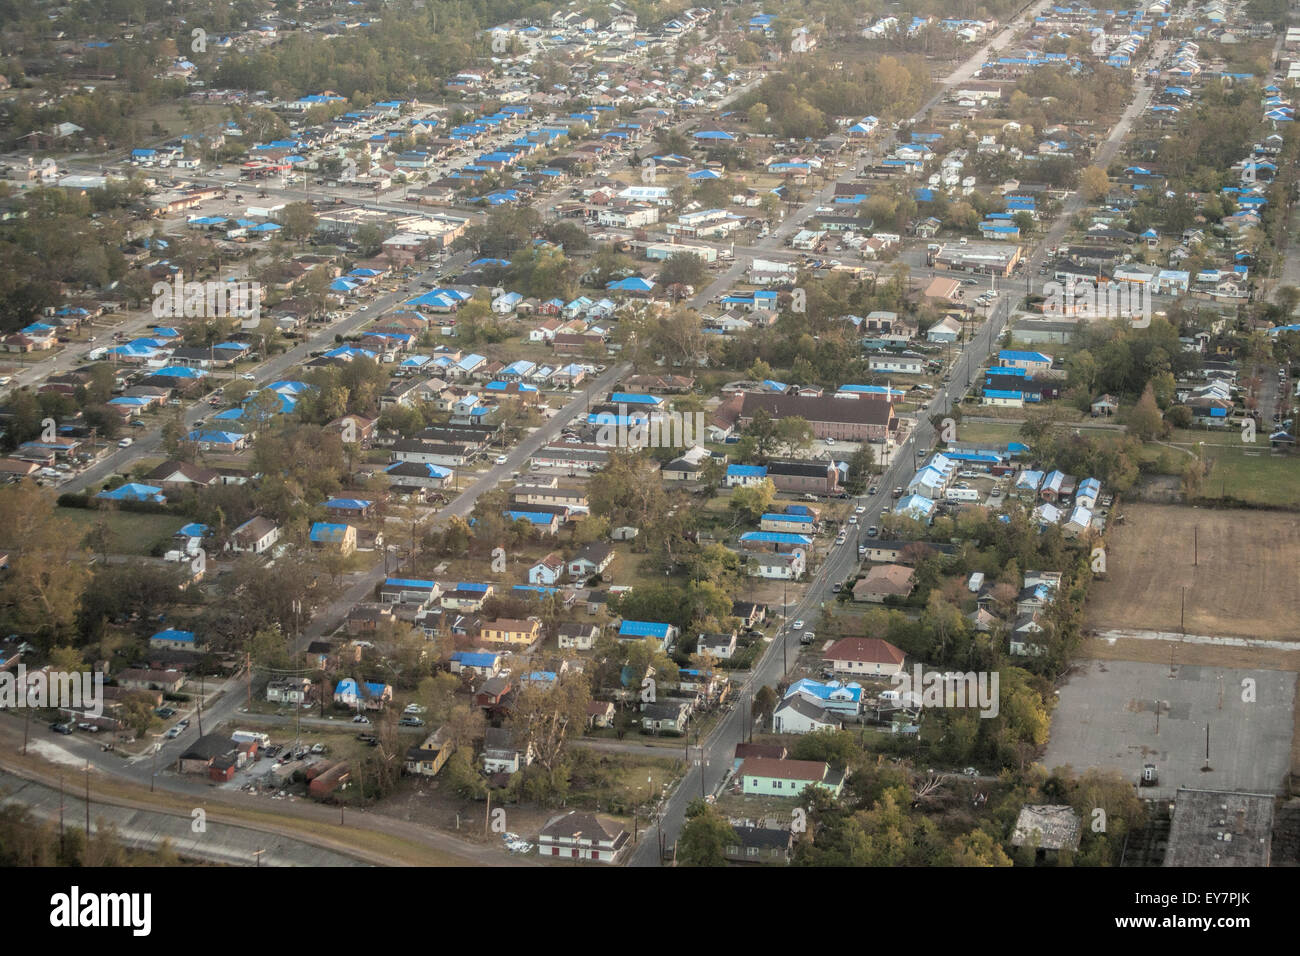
x=719, y=646
x=600, y=713
x=759, y=845
x=502, y=754
x=174, y=640
x=288, y=690
x=254, y=536
x=370, y=695
x=199, y=756
x=665, y=635
x=801, y=714
x=579, y=835
x=548, y=571
x=477, y=663
x=666, y=716
x=786, y=778
x=884, y=581
x=591, y=559
x=176, y=475
x=864, y=655
x=1105, y=406
x=427, y=759
x=511, y=631
x=578, y=637
x=337, y=537
x=416, y=591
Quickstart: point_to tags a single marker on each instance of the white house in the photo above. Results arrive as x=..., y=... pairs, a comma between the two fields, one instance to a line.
x=801, y=714
x=578, y=835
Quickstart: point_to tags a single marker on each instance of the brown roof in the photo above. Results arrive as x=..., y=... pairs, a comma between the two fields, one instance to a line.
x=576, y=823
x=769, y=751
x=783, y=769
x=870, y=649
x=887, y=579
x=821, y=408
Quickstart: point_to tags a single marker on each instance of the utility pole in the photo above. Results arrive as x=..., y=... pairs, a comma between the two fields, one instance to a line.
x=248, y=670
x=88, y=800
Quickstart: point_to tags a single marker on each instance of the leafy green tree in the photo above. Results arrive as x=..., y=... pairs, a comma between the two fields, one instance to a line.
x=705, y=837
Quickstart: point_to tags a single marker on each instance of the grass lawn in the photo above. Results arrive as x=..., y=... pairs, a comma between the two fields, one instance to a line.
x=131, y=533
x=990, y=432
x=1252, y=474
x=1236, y=469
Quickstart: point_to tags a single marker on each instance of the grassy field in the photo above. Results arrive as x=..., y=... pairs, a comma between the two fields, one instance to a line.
x=1237, y=570
x=1236, y=469
x=993, y=434
x=131, y=533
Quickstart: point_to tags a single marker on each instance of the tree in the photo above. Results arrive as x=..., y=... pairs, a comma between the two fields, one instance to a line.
x=705, y=837
x=682, y=268
x=749, y=502
x=1094, y=183
x=48, y=570
x=545, y=716
x=299, y=221
x=1145, y=420
x=977, y=848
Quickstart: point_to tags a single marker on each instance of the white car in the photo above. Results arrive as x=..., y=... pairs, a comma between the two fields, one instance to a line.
x=853, y=519
x=501, y=459
x=361, y=719
x=860, y=509
x=797, y=625
x=520, y=846
x=249, y=377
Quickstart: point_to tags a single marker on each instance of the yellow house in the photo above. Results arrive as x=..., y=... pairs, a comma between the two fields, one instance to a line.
x=510, y=631
x=428, y=758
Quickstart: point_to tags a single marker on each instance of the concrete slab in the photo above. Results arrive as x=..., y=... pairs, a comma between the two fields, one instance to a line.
x=1107, y=717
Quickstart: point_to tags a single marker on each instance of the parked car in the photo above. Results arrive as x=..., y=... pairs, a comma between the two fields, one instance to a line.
x=88, y=727
x=361, y=719
x=59, y=728
x=411, y=722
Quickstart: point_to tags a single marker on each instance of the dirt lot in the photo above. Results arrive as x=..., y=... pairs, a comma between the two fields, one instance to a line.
x=1242, y=584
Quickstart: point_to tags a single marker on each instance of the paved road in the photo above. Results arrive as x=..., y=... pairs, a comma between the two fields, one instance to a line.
x=714, y=757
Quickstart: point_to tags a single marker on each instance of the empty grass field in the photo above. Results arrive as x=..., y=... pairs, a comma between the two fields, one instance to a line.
x=1237, y=570
x=129, y=532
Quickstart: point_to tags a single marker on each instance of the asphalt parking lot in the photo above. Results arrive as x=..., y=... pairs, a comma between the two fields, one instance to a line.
x=1107, y=717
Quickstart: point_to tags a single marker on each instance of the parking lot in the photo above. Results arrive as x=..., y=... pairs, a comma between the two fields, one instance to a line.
x=1107, y=717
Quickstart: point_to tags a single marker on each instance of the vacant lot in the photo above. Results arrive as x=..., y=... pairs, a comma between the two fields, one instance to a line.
x=128, y=532
x=1242, y=583
x=1121, y=715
